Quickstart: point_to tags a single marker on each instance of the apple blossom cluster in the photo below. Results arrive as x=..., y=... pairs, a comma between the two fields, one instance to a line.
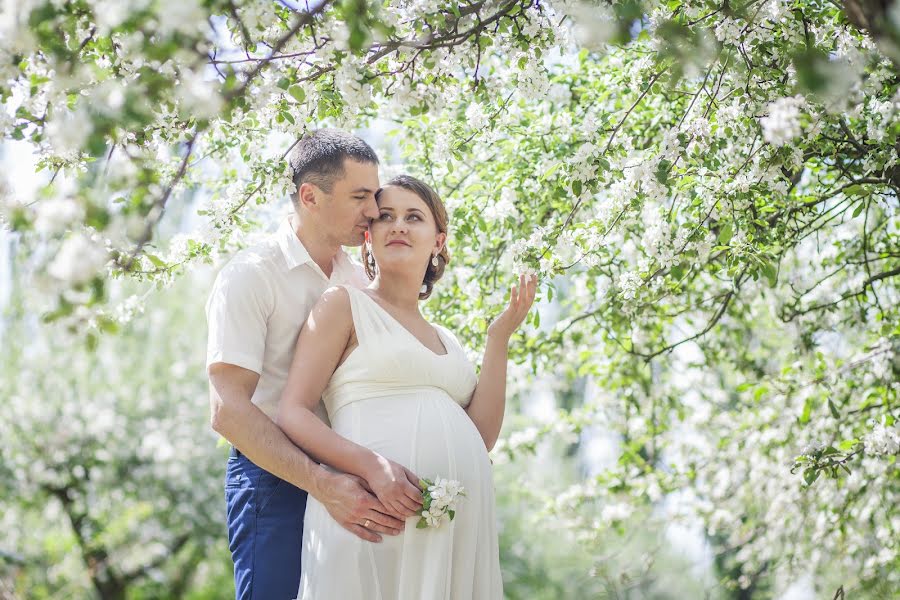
x=883, y=439
x=717, y=236
x=440, y=499
x=782, y=121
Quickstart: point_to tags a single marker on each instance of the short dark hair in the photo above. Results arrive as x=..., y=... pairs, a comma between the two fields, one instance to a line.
x=318, y=157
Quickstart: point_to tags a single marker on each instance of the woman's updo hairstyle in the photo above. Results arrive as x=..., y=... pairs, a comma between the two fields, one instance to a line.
x=438, y=211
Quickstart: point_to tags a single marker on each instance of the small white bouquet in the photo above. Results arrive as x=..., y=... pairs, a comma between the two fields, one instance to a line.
x=439, y=501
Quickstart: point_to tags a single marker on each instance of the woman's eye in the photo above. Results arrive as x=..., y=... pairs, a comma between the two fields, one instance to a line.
x=414, y=217
x=383, y=216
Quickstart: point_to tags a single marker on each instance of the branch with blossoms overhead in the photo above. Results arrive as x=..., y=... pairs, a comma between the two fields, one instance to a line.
x=206, y=87
x=709, y=190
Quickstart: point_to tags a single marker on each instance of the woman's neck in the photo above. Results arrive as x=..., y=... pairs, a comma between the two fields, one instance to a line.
x=397, y=289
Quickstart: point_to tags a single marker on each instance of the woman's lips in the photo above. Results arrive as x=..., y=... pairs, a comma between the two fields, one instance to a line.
x=397, y=243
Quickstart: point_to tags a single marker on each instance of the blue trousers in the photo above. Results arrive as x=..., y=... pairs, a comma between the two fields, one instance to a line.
x=265, y=530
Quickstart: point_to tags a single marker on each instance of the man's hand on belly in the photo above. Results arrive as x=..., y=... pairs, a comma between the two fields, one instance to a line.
x=349, y=502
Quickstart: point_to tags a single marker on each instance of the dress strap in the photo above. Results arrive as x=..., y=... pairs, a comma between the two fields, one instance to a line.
x=368, y=320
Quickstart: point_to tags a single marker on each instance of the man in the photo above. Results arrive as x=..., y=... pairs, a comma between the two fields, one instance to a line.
x=258, y=304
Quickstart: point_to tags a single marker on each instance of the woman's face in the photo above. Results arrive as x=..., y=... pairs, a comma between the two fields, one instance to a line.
x=405, y=235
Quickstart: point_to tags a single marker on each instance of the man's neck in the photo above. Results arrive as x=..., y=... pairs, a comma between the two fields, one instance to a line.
x=321, y=250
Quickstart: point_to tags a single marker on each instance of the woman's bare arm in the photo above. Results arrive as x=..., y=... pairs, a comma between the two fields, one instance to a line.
x=322, y=342
x=489, y=400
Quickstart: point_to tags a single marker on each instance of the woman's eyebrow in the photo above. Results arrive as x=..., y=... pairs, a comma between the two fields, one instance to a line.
x=409, y=210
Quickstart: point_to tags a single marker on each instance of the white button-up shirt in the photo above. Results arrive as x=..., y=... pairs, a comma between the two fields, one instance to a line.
x=259, y=302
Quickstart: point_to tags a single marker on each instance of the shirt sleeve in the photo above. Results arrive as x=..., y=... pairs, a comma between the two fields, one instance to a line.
x=237, y=315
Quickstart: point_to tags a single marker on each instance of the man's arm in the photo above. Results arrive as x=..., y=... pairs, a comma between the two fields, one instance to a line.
x=239, y=421
x=322, y=342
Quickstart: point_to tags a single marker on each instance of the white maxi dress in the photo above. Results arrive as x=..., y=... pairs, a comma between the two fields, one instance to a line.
x=394, y=395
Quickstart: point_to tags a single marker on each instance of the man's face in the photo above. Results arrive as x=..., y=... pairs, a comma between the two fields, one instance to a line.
x=347, y=210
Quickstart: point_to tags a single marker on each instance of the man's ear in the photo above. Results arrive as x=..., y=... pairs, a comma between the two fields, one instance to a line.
x=307, y=195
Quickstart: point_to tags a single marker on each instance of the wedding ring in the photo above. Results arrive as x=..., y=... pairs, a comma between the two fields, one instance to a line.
x=366, y=524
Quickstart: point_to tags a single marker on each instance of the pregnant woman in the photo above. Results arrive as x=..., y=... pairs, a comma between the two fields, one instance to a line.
x=404, y=402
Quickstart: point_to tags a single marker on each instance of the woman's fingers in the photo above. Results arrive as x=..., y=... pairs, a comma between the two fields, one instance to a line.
x=412, y=478
x=384, y=519
x=382, y=523
x=405, y=506
x=409, y=507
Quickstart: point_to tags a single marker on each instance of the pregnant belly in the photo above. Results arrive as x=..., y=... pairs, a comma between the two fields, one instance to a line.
x=426, y=432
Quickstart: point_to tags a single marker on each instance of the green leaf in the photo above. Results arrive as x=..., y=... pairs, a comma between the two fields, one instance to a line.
x=770, y=272
x=810, y=475
x=91, y=340
x=847, y=445
x=807, y=410
x=550, y=171
x=157, y=262
x=662, y=171
x=833, y=409
x=576, y=187
x=297, y=92
x=726, y=234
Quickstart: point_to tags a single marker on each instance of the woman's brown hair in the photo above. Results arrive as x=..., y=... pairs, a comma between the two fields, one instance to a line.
x=438, y=211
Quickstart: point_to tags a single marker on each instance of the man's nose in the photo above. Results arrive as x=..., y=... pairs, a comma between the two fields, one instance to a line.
x=370, y=211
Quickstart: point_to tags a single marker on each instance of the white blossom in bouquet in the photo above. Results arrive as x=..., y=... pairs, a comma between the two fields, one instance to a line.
x=782, y=124
x=440, y=499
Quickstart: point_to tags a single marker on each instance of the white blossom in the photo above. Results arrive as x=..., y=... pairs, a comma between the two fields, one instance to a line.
x=199, y=96
x=782, y=123
x=68, y=131
x=882, y=439
x=504, y=207
x=629, y=284
x=78, y=260
x=56, y=215
x=476, y=117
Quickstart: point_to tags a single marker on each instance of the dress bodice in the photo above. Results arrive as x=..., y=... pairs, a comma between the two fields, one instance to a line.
x=390, y=360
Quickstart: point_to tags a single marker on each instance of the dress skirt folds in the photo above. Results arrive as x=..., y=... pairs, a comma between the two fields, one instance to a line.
x=397, y=397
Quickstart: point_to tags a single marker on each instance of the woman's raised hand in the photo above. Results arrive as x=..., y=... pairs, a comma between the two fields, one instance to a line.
x=396, y=487
x=521, y=297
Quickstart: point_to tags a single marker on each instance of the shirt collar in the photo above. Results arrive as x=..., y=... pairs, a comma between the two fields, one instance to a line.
x=296, y=254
